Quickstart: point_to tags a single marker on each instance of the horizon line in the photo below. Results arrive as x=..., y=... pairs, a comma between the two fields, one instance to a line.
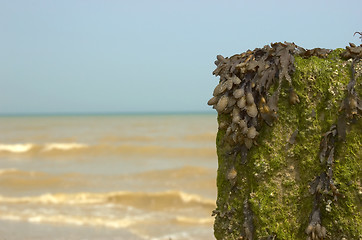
x=96, y=113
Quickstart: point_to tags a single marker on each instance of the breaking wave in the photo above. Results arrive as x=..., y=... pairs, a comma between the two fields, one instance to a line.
x=80, y=148
x=111, y=210
x=16, y=148
x=34, y=148
x=63, y=146
x=141, y=200
x=71, y=220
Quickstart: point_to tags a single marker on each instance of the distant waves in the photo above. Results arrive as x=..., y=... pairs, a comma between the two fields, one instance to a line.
x=59, y=149
x=48, y=147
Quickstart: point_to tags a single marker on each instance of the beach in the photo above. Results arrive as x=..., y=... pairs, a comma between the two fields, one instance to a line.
x=140, y=176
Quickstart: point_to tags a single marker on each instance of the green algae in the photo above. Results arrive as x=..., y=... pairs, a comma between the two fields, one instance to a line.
x=275, y=180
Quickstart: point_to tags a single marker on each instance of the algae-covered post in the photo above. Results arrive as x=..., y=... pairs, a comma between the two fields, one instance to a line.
x=289, y=143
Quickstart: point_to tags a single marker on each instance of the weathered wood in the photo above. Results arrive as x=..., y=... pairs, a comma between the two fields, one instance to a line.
x=297, y=174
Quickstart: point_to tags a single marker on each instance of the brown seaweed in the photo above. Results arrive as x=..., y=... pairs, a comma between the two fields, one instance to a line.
x=352, y=51
x=318, y=52
x=243, y=94
x=324, y=184
x=248, y=221
x=360, y=34
x=245, y=80
x=341, y=127
x=315, y=230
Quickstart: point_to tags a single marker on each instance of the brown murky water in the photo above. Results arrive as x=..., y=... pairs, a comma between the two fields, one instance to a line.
x=107, y=177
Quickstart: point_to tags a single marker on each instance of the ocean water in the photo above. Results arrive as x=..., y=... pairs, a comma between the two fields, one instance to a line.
x=107, y=177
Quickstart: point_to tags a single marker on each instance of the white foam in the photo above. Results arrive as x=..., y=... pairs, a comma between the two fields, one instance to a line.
x=65, y=199
x=71, y=220
x=16, y=148
x=186, y=197
x=63, y=146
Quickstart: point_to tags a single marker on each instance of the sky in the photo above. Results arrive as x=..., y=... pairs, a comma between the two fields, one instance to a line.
x=108, y=56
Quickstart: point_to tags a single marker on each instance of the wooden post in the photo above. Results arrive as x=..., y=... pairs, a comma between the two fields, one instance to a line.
x=289, y=144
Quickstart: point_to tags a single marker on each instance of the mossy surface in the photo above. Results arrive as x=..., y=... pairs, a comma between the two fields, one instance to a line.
x=275, y=179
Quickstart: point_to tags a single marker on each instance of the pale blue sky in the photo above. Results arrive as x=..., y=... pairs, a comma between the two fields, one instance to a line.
x=155, y=56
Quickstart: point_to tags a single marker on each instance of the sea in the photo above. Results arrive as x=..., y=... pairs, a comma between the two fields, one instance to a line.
x=125, y=176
